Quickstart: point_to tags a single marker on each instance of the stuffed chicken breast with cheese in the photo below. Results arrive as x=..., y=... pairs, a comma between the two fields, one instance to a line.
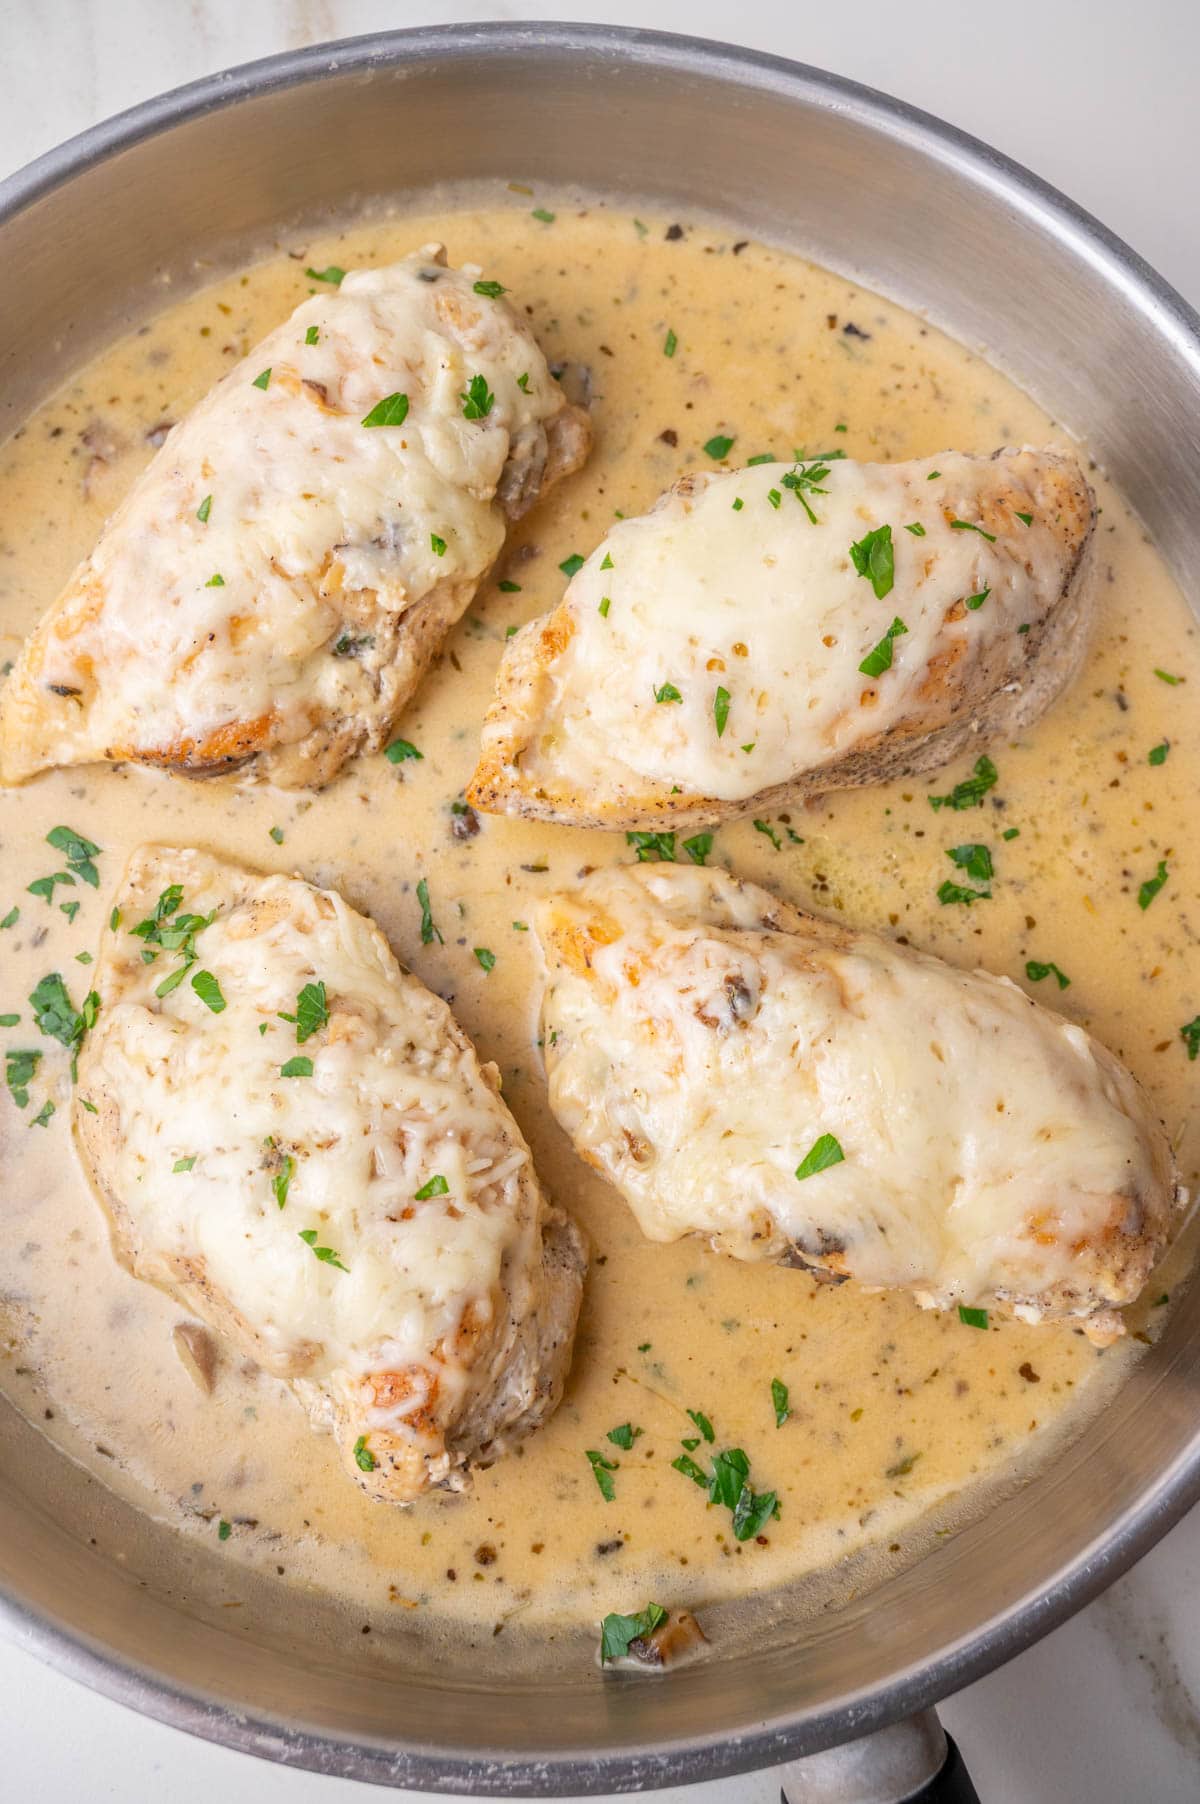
x=279, y=578
x=292, y=1135
x=767, y=634
x=793, y=1090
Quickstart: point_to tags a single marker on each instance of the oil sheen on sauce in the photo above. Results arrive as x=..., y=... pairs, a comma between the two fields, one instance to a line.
x=895, y=1415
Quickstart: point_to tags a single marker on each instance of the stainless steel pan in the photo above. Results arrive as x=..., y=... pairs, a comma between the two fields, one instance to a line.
x=89, y=235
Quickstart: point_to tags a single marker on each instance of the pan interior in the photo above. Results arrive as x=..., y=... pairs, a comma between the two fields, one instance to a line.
x=925, y=222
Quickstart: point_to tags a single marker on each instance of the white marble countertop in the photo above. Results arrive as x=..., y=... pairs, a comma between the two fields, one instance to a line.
x=1098, y=97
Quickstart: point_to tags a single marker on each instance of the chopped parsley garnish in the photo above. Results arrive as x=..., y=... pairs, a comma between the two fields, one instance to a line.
x=509, y=588
x=824, y=1152
x=970, y=526
x=698, y=847
x=606, y=562
x=184, y=1164
x=312, y=1011
x=972, y=1318
x=169, y=931
x=667, y=692
x=42, y=1118
x=1011, y=833
x=208, y=989
x=879, y=658
x=721, y=710
x=347, y=646
x=684, y=1463
x=752, y=1511
x=618, y=1633
x=1027, y=518
x=364, y=1459
x=276, y=833
x=263, y=379
x=1190, y=1035
x=975, y=860
x=282, y=1181
x=215, y=581
x=775, y=498
x=916, y=529
x=429, y=931
x=605, y=604
x=391, y=411
x=477, y=399
x=652, y=847
x=55, y=1014
x=571, y=564
x=718, y=447
x=491, y=291
x=1164, y=676
x=400, y=750
x=541, y=213
x=204, y=510
x=766, y=828
x=738, y=504
x=1035, y=970
x=1158, y=753
x=9, y=1020
x=11, y=918
x=78, y=852
x=437, y=545
x=623, y=1436
x=602, y=1471
x=114, y=920
x=779, y=1401
x=670, y=343
x=523, y=382
x=223, y=1530
x=70, y=909
x=874, y=557
x=435, y=1186
x=312, y=336
x=20, y=1069
x=486, y=959
x=300, y=1066
x=971, y=791
x=703, y=1424
x=975, y=602
x=956, y=892
x=333, y=275
x=1152, y=885
x=808, y=478
x=326, y=1255
x=44, y=886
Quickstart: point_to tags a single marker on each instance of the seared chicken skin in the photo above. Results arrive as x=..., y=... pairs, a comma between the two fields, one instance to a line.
x=278, y=580
x=794, y=1091
x=293, y=1136
x=765, y=635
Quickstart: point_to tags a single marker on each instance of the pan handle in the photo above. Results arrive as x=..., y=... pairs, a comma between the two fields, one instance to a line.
x=909, y=1762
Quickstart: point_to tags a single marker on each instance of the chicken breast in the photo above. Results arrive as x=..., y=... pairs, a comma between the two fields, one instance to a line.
x=767, y=634
x=794, y=1091
x=278, y=580
x=293, y=1136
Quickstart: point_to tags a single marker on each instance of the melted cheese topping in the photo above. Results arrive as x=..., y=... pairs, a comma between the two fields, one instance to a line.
x=232, y=600
x=714, y=647
x=395, y=1102
x=989, y=1148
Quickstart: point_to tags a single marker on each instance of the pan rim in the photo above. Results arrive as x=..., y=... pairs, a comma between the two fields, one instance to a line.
x=576, y=1772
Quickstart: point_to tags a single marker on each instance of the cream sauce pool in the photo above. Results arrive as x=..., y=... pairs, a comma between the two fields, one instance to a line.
x=898, y=1418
